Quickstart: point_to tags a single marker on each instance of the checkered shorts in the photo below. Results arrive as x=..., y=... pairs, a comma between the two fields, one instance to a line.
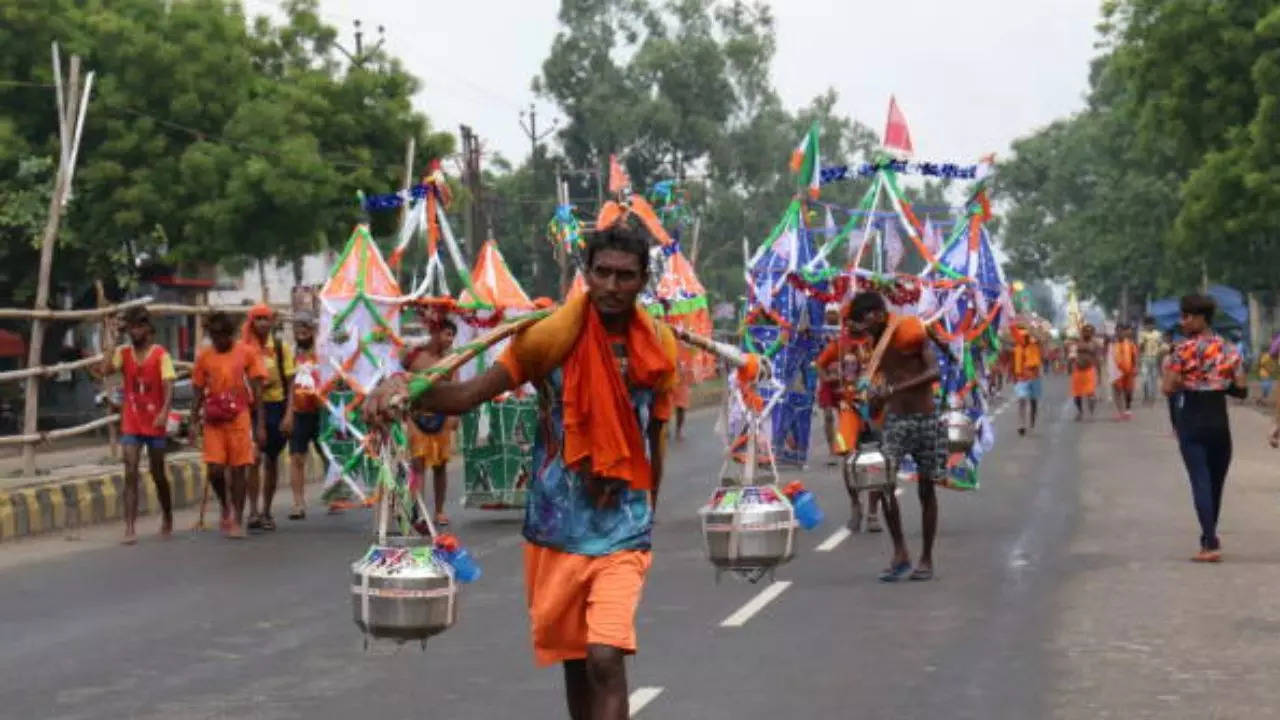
x=920, y=436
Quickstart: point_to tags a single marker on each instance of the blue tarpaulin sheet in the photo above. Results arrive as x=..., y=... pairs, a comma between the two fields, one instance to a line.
x=1233, y=310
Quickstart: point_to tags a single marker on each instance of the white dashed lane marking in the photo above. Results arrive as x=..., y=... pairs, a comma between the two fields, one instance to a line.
x=834, y=541
x=756, y=604
x=642, y=696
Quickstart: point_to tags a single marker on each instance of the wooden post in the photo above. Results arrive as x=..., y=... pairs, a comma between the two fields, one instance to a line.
x=697, y=235
x=1254, y=332
x=202, y=299
x=262, y=280
x=70, y=119
x=108, y=326
x=408, y=177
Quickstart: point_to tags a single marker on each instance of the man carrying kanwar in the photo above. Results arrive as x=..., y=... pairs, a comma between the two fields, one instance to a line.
x=902, y=384
x=603, y=369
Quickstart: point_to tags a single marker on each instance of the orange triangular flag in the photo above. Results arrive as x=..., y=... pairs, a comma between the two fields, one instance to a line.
x=618, y=179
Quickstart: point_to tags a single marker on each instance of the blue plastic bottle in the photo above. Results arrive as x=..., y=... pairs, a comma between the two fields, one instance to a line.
x=808, y=514
x=465, y=569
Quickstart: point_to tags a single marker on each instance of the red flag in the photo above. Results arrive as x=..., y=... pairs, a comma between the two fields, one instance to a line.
x=617, y=176
x=897, y=138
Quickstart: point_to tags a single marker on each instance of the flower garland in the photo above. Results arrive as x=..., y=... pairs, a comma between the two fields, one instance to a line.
x=784, y=331
x=951, y=171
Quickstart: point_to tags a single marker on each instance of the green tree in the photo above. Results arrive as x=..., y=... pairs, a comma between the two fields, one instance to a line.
x=1199, y=81
x=207, y=140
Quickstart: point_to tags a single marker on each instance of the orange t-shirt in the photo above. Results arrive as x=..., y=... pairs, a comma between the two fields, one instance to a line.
x=220, y=372
x=909, y=335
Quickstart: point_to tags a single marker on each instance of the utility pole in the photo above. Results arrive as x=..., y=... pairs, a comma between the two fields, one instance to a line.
x=358, y=57
x=71, y=109
x=531, y=131
x=474, y=220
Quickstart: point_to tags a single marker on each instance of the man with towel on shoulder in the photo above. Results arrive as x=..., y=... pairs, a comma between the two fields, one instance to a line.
x=604, y=370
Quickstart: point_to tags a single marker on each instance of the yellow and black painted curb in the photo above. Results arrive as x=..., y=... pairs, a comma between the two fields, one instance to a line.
x=76, y=502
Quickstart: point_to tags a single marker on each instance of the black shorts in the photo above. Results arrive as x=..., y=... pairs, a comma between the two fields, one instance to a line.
x=306, y=431
x=273, y=413
x=920, y=436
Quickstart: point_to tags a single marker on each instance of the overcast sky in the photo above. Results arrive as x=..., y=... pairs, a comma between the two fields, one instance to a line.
x=970, y=75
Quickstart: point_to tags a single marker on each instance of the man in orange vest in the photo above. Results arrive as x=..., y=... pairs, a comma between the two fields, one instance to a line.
x=1124, y=370
x=1028, y=361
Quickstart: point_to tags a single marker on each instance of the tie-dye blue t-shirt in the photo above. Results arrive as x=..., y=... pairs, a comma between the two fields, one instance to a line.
x=560, y=513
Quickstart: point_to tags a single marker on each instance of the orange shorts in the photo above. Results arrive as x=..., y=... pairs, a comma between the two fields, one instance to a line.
x=581, y=600
x=1126, y=382
x=433, y=449
x=1084, y=383
x=680, y=395
x=229, y=444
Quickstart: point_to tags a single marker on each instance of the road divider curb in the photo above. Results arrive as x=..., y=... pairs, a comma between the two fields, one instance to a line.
x=70, y=503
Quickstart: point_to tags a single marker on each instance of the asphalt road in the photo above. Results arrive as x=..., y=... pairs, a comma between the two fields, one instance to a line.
x=199, y=627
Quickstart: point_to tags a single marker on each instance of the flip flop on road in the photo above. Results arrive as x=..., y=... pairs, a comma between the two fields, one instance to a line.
x=921, y=574
x=896, y=572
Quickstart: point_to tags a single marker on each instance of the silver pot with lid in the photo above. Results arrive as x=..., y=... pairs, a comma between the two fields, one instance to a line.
x=960, y=430
x=401, y=591
x=748, y=528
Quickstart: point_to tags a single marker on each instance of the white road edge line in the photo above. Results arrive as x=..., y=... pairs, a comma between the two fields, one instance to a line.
x=642, y=696
x=756, y=604
x=836, y=538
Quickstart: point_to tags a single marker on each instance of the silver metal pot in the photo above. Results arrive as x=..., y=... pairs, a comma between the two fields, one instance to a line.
x=406, y=601
x=869, y=469
x=749, y=535
x=960, y=431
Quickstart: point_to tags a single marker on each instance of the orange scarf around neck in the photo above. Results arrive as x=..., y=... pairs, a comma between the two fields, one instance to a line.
x=1126, y=355
x=600, y=427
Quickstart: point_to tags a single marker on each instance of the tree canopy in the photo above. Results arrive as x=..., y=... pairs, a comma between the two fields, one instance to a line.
x=209, y=137
x=1169, y=173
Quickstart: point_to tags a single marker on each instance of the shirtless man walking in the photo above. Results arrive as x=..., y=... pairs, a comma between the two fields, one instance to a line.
x=430, y=445
x=913, y=426
x=1083, y=359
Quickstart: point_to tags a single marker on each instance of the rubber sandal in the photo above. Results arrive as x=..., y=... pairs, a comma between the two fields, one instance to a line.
x=268, y=523
x=873, y=524
x=895, y=572
x=442, y=520
x=921, y=574
x=298, y=514
x=255, y=522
